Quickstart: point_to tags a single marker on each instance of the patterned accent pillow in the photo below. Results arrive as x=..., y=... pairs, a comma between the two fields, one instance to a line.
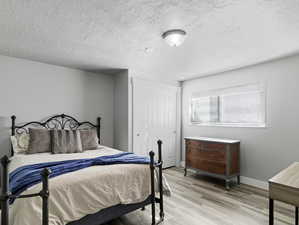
x=66, y=141
x=20, y=143
x=89, y=139
x=40, y=141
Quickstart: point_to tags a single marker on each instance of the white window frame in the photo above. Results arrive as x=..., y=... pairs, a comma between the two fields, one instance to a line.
x=262, y=90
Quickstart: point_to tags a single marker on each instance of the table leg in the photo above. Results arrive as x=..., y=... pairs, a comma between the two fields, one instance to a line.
x=271, y=211
x=296, y=216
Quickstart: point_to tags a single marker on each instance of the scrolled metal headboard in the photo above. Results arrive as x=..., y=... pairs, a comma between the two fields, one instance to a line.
x=61, y=121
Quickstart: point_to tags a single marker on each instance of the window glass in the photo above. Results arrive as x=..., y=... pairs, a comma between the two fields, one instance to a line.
x=242, y=105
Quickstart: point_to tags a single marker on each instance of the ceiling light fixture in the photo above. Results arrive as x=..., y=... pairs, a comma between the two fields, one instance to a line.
x=148, y=50
x=174, y=37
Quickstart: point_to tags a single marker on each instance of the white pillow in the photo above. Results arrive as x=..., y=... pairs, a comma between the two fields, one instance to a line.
x=20, y=143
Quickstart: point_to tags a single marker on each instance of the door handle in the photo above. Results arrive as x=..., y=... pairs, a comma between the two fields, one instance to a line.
x=138, y=135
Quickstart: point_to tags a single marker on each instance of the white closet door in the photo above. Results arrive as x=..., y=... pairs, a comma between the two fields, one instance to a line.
x=154, y=118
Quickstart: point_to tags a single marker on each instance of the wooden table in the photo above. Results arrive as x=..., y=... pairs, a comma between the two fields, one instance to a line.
x=284, y=187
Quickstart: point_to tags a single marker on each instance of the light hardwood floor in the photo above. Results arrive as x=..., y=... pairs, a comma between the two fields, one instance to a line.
x=198, y=200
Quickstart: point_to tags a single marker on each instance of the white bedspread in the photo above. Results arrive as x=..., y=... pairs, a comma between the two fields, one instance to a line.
x=77, y=194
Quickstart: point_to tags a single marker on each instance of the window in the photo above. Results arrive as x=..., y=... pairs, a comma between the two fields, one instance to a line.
x=205, y=109
x=236, y=106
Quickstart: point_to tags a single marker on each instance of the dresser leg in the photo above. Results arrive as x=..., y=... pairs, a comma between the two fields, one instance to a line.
x=185, y=174
x=271, y=211
x=227, y=184
x=238, y=180
x=296, y=216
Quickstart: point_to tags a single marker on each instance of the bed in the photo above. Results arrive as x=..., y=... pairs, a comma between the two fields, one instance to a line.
x=89, y=196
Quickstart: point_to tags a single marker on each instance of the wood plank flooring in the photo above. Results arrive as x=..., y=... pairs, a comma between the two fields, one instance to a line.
x=198, y=200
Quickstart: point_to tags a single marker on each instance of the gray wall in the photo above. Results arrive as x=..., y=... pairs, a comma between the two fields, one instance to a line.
x=121, y=111
x=33, y=90
x=264, y=151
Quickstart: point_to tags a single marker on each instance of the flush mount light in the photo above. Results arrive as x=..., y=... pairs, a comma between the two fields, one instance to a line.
x=148, y=50
x=174, y=37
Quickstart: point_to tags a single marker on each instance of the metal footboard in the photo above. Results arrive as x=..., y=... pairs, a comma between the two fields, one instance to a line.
x=6, y=196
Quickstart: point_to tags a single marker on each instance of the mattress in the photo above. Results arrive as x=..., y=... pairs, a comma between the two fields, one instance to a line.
x=80, y=193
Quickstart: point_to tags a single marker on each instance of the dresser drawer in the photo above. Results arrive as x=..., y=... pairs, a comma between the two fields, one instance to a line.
x=207, y=165
x=213, y=154
x=213, y=146
x=193, y=144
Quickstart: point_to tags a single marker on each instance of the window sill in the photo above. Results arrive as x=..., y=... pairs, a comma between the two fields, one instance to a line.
x=236, y=125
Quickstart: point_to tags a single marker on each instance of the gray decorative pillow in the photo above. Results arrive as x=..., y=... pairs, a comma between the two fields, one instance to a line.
x=39, y=141
x=89, y=138
x=66, y=141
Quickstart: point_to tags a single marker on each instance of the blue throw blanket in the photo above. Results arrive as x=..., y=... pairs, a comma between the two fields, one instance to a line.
x=26, y=176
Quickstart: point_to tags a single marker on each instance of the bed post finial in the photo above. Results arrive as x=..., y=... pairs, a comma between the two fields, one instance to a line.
x=13, y=124
x=99, y=129
x=13, y=131
x=152, y=154
x=159, y=142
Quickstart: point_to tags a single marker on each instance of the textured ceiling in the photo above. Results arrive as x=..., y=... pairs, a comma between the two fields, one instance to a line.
x=102, y=34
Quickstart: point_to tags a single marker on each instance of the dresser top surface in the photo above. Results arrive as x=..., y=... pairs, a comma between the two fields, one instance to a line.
x=221, y=140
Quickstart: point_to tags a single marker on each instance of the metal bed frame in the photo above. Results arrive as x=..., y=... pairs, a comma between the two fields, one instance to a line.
x=63, y=121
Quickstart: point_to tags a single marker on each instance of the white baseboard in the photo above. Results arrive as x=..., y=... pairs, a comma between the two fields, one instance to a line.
x=254, y=182
x=247, y=180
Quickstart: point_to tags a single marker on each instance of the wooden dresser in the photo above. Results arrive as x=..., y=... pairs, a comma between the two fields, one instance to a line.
x=215, y=157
